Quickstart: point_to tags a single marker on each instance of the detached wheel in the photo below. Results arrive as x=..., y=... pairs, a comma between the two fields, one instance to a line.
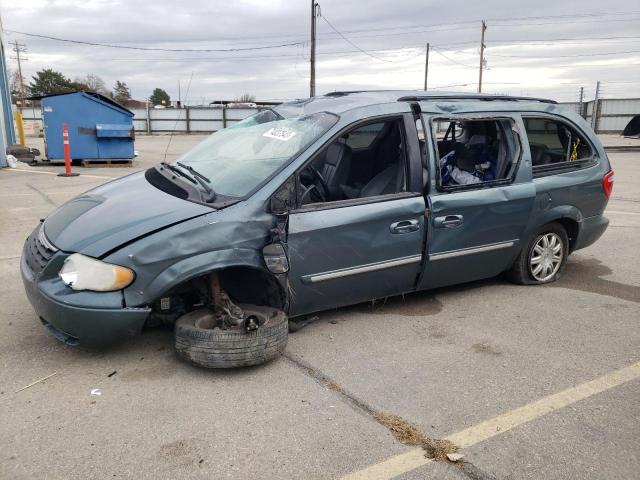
x=200, y=340
x=544, y=257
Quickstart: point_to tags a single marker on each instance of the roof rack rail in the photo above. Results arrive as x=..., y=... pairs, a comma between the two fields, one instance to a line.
x=487, y=98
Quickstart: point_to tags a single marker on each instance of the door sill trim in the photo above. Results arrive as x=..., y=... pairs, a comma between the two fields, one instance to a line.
x=371, y=267
x=470, y=251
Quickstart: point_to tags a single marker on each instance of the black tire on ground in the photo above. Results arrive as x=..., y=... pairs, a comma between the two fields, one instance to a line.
x=217, y=348
x=522, y=270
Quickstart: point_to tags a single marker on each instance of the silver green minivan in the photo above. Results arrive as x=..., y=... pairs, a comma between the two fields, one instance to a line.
x=316, y=204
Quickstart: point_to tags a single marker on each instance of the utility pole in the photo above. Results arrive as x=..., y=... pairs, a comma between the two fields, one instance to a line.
x=484, y=27
x=595, y=112
x=19, y=48
x=426, y=68
x=312, y=80
x=581, y=102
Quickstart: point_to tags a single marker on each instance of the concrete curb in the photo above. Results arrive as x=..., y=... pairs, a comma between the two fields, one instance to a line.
x=622, y=148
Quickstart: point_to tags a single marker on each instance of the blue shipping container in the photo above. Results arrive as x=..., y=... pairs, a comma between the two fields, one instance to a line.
x=99, y=128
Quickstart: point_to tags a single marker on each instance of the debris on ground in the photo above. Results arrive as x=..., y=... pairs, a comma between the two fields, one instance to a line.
x=36, y=382
x=112, y=374
x=408, y=434
x=96, y=391
x=455, y=457
x=295, y=325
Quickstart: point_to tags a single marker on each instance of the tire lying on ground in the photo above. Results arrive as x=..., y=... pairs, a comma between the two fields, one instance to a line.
x=199, y=340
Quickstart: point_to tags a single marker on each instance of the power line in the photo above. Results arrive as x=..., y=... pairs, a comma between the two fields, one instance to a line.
x=155, y=49
x=451, y=59
x=566, y=56
x=357, y=47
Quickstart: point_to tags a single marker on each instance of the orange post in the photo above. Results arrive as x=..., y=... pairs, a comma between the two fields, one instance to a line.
x=67, y=153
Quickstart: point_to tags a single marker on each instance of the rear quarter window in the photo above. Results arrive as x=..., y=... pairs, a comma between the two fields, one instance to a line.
x=555, y=145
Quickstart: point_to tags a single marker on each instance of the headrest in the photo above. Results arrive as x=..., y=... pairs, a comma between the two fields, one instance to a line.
x=477, y=140
x=336, y=152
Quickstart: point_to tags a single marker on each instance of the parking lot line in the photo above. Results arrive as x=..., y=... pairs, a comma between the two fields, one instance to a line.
x=413, y=459
x=622, y=213
x=51, y=173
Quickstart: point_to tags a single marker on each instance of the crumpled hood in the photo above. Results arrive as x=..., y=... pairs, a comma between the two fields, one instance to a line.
x=116, y=213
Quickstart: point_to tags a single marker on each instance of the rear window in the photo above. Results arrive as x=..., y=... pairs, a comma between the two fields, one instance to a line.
x=554, y=142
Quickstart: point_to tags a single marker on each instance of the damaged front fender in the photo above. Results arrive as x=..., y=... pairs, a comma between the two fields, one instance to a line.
x=192, y=267
x=216, y=241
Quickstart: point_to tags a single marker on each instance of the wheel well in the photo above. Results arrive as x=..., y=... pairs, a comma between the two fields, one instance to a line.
x=243, y=284
x=572, y=228
x=251, y=285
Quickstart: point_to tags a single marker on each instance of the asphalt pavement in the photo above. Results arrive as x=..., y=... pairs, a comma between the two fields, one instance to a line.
x=530, y=382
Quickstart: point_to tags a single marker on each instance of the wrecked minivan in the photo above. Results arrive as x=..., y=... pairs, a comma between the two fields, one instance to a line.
x=316, y=204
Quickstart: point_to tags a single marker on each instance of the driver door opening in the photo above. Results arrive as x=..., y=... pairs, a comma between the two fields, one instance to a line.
x=367, y=161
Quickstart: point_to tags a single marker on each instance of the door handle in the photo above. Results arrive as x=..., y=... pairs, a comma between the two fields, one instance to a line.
x=448, y=221
x=404, y=226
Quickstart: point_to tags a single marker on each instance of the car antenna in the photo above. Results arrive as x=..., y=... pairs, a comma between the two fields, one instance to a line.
x=186, y=96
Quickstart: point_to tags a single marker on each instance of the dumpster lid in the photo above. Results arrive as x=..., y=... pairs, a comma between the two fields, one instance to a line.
x=92, y=94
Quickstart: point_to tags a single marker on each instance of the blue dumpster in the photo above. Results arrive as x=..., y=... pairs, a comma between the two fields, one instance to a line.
x=99, y=128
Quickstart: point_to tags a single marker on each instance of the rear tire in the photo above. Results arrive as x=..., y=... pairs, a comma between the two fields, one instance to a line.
x=234, y=347
x=543, y=258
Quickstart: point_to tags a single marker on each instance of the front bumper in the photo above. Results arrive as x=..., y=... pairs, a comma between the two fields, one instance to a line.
x=77, y=324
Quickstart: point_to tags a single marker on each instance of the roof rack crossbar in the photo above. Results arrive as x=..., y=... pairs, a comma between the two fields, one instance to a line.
x=417, y=98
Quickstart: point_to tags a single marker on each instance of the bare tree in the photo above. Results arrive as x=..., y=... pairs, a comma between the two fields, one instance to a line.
x=93, y=83
x=245, y=98
x=14, y=85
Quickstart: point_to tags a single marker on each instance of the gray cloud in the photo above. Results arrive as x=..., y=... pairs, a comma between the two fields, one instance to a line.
x=394, y=32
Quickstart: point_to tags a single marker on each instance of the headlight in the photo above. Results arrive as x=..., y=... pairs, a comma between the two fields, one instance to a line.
x=84, y=273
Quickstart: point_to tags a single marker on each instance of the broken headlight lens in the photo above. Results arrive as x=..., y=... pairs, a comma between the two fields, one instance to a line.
x=80, y=272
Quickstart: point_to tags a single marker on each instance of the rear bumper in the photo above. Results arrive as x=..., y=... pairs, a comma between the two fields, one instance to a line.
x=591, y=230
x=79, y=325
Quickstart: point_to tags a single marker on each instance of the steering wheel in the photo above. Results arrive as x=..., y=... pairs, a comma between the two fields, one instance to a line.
x=323, y=183
x=308, y=194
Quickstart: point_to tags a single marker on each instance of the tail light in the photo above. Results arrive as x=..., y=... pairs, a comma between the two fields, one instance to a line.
x=607, y=183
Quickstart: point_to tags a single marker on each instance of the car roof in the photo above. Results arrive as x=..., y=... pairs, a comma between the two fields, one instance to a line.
x=341, y=101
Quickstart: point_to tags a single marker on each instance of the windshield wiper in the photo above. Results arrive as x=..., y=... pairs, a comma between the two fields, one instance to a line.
x=168, y=166
x=201, y=179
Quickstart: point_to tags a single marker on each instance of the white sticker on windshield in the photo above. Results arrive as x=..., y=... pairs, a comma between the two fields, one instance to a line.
x=280, y=133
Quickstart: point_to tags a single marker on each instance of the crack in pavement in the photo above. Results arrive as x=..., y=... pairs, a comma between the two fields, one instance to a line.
x=403, y=431
x=469, y=470
x=46, y=197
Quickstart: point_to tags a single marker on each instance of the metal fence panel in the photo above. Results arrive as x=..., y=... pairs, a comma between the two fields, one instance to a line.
x=613, y=116
x=626, y=106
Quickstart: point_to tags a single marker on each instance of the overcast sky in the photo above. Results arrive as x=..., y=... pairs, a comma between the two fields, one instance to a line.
x=541, y=48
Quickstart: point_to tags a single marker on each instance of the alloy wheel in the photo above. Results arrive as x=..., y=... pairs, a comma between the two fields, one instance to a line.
x=546, y=257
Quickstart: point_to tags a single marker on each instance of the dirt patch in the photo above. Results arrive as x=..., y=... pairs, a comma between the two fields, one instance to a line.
x=486, y=348
x=181, y=453
x=408, y=434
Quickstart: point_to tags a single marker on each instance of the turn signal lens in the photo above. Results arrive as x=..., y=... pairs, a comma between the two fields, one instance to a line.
x=275, y=258
x=80, y=272
x=607, y=183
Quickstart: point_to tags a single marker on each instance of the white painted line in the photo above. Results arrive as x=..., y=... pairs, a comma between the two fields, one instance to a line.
x=413, y=459
x=52, y=173
x=622, y=213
